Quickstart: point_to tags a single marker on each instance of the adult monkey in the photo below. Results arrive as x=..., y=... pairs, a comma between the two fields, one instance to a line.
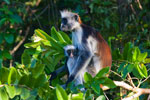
x=92, y=48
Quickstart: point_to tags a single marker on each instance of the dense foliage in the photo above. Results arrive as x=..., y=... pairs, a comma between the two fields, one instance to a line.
x=24, y=73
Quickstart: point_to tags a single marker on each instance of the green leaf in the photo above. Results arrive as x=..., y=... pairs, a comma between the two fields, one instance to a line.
x=9, y=38
x=23, y=80
x=49, y=63
x=1, y=62
x=116, y=54
x=78, y=96
x=121, y=66
x=25, y=93
x=18, y=90
x=102, y=72
x=45, y=36
x=60, y=37
x=15, y=19
x=65, y=37
x=130, y=67
x=61, y=93
x=102, y=97
x=6, y=54
x=40, y=81
x=1, y=38
x=126, y=50
x=89, y=95
x=137, y=72
x=32, y=45
x=96, y=87
x=25, y=58
x=57, y=58
x=3, y=94
x=142, y=56
x=87, y=77
x=109, y=83
x=144, y=70
x=125, y=71
x=54, y=33
x=147, y=60
x=2, y=21
x=31, y=81
x=11, y=91
x=12, y=75
x=4, y=72
x=39, y=69
x=134, y=54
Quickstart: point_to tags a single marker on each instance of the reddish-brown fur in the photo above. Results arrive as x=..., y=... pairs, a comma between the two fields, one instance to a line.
x=104, y=52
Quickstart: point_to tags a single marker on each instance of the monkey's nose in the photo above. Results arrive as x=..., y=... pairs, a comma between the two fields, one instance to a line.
x=71, y=55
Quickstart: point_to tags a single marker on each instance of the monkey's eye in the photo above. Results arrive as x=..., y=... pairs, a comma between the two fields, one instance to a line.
x=64, y=20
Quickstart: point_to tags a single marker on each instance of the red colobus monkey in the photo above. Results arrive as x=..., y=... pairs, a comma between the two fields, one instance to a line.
x=93, y=51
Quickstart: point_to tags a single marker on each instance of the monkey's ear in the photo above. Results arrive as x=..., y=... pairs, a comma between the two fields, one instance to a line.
x=76, y=16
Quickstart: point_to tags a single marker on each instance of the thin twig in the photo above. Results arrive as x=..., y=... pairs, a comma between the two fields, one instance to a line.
x=106, y=96
x=145, y=79
x=21, y=42
x=130, y=80
x=42, y=12
x=140, y=6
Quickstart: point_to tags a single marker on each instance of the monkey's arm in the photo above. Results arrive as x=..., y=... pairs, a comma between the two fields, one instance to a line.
x=58, y=71
x=82, y=62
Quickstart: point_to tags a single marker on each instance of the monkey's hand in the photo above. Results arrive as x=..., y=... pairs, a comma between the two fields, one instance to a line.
x=53, y=76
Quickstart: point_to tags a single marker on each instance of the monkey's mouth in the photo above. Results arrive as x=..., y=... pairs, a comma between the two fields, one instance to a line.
x=65, y=28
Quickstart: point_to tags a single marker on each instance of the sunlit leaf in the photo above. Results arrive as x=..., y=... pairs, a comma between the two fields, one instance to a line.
x=11, y=91
x=61, y=93
x=12, y=75
x=102, y=72
x=87, y=77
x=102, y=97
x=25, y=58
x=3, y=94
x=78, y=96
x=25, y=93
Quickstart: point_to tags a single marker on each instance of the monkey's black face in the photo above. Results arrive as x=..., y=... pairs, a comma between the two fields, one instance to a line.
x=65, y=25
x=69, y=23
x=71, y=53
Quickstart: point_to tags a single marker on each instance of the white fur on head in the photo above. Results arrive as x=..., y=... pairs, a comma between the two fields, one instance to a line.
x=66, y=13
x=68, y=47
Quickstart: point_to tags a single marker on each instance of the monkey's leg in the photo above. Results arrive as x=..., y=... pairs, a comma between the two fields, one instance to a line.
x=82, y=62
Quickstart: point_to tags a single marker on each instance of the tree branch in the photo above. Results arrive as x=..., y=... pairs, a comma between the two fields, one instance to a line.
x=137, y=91
x=21, y=42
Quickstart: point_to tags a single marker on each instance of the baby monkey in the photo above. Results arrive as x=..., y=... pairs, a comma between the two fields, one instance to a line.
x=71, y=52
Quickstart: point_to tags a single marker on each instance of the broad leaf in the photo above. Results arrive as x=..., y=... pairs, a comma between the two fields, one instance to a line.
x=102, y=97
x=25, y=58
x=9, y=38
x=102, y=72
x=61, y=93
x=3, y=94
x=11, y=91
x=121, y=66
x=78, y=96
x=25, y=93
x=12, y=75
x=87, y=77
